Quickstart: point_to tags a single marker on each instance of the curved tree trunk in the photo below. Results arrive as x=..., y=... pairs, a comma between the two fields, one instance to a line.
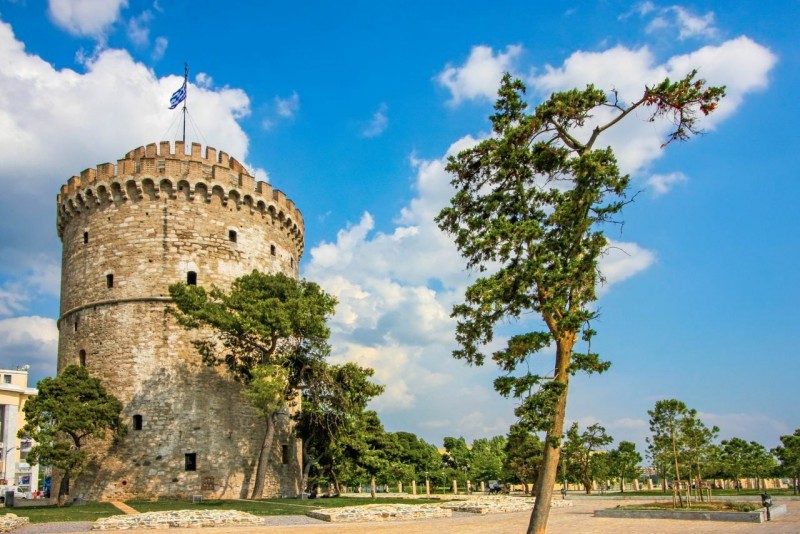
x=63, y=490
x=263, y=457
x=553, y=441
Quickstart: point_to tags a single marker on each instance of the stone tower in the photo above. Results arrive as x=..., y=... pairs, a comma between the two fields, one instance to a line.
x=128, y=231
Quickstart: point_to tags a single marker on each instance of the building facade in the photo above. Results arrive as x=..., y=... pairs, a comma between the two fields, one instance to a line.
x=14, y=391
x=157, y=217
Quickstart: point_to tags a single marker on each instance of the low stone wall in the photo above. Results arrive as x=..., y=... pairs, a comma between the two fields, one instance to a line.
x=178, y=519
x=400, y=512
x=380, y=512
x=9, y=522
x=758, y=516
x=499, y=505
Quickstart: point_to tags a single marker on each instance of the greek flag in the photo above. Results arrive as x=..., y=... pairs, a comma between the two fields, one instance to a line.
x=178, y=96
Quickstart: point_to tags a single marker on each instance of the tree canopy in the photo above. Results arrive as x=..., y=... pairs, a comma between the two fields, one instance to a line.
x=528, y=209
x=789, y=456
x=70, y=410
x=270, y=331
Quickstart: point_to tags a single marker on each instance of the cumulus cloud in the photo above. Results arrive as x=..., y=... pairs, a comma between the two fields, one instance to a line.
x=479, y=77
x=85, y=17
x=660, y=184
x=378, y=123
x=740, y=64
x=57, y=122
x=396, y=289
x=29, y=340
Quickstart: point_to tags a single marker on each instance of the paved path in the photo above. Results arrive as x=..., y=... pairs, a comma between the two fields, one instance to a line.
x=124, y=508
x=574, y=520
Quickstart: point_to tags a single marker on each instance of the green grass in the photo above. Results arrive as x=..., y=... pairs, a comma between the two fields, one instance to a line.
x=268, y=506
x=722, y=506
x=49, y=514
x=94, y=511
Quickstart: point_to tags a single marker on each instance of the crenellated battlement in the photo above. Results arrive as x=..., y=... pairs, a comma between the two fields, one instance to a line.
x=155, y=172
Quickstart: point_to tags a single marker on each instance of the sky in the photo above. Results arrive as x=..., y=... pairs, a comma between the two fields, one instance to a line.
x=352, y=108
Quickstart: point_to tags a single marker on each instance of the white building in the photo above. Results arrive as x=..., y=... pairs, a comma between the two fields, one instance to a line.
x=14, y=391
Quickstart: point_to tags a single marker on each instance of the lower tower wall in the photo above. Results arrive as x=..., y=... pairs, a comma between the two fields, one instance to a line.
x=174, y=406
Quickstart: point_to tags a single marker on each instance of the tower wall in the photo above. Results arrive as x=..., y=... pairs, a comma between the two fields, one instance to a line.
x=129, y=231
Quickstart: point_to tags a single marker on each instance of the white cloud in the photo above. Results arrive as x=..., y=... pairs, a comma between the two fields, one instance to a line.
x=681, y=19
x=740, y=64
x=396, y=290
x=378, y=123
x=660, y=184
x=29, y=340
x=38, y=103
x=480, y=76
x=623, y=260
x=691, y=25
x=160, y=48
x=85, y=17
x=139, y=28
x=287, y=107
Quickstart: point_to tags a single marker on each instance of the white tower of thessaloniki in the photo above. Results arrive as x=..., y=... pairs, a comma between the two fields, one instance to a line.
x=157, y=217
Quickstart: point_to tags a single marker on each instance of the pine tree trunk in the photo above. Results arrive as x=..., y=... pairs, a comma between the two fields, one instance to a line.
x=552, y=448
x=263, y=458
x=63, y=490
x=372, y=487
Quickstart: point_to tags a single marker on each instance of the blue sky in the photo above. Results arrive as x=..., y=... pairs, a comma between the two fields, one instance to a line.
x=351, y=109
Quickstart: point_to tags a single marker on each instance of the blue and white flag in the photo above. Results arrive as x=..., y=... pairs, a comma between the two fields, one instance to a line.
x=178, y=96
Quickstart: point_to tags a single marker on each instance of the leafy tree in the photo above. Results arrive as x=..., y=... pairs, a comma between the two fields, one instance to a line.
x=624, y=462
x=333, y=399
x=457, y=457
x=789, y=456
x=581, y=451
x=667, y=422
x=488, y=456
x=523, y=457
x=70, y=411
x=697, y=446
x=420, y=457
x=264, y=322
x=527, y=212
x=365, y=451
x=742, y=459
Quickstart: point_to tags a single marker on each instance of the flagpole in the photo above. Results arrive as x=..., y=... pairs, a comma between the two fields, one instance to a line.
x=185, y=78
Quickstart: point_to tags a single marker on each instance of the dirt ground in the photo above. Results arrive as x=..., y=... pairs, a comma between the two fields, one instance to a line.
x=576, y=519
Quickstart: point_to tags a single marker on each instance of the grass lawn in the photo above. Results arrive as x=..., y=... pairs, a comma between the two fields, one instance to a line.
x=49, y=514
x=93, y=511
x=268, y=506
x=722, y=506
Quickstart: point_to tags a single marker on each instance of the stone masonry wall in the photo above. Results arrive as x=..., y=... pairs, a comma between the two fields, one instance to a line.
x=149, y=222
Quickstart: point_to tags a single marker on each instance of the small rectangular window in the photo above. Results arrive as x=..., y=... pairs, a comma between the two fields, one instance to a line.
x=232, y=236
x=272, y=249
x=82, y=358
x=109, y=281
x=85, y=237
x=6, y=379
x=137, y=422
x=191, y=278
x=284, y=454
x=190, y=461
